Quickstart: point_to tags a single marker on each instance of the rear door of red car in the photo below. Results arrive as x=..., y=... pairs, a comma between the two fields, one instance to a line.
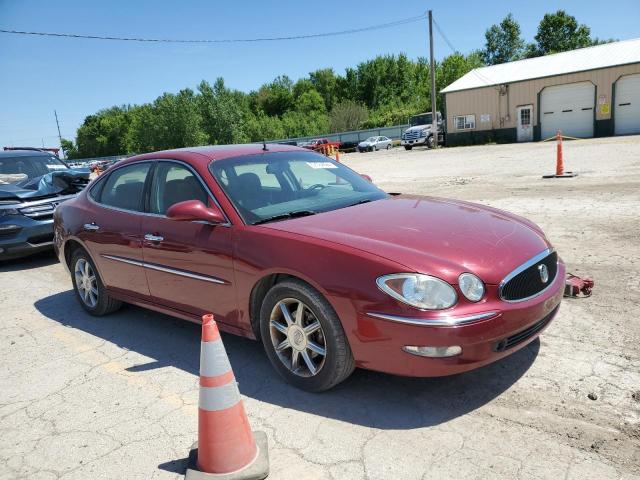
x=112, y=232
x=189, y=264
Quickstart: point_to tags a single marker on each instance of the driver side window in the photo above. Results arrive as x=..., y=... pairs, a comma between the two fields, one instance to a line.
x=174, y=183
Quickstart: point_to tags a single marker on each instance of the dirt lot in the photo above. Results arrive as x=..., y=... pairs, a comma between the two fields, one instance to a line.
x=117, y=397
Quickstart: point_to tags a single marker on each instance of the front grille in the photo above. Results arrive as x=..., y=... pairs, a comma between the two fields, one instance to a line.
x=528, y=282
x=38, y=212
x=520, y=337
x=412, y=135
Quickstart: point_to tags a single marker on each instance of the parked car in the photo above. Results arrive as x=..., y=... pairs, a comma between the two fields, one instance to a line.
x=318, y=143
x=315, y=143
x=372, y=144
x=293, y=248
x=419, y=132
x=32, y=183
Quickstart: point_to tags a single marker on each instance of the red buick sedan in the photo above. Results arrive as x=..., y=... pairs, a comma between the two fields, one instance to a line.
x=330, y=272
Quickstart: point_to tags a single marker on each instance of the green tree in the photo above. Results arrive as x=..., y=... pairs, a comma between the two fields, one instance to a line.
x=326, y=83
x=347, y=115
x=559, y=32
x=503, y=42
x=224, y=113
x=276, y=98
x=103, y=134
x=69, y=149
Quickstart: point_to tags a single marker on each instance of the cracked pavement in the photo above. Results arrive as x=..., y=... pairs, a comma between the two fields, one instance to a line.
x=116, y=397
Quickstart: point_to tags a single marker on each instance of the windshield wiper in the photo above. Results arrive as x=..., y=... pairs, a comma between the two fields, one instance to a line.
x=366, y=200
x=283, y=216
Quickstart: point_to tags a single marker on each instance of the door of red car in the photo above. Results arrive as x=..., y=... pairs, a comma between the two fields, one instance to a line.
x=112, y=232
x=189, y=264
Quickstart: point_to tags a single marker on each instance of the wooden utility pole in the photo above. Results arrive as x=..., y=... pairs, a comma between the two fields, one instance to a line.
x=432, y=70
x=59, y=136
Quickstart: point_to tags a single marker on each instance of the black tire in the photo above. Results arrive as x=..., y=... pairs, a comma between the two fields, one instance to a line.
x=430, y=142
x=408, y=147
x=389, y=147
x=105, y=304
x=338, y=361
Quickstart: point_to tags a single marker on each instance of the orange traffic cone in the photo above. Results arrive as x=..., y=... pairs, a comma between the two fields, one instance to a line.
x=226, y=447
x=560, y=173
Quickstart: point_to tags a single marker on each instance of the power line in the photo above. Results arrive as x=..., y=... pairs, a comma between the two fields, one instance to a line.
x=444, y=37
x=221, y=40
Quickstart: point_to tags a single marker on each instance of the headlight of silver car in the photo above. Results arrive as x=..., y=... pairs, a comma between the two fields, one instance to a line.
x=418, y=290
x=471, y=286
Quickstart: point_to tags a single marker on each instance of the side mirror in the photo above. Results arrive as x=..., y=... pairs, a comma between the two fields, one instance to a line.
x=195, y=211
x=366, y=177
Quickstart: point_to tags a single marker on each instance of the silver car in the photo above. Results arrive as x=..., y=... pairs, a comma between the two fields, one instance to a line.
x=375, y=143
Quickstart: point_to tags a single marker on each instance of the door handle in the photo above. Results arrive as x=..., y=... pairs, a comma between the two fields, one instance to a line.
x=153, y=238
x=90, y=227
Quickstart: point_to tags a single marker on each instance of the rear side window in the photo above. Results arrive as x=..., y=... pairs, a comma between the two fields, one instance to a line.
x=124, y=188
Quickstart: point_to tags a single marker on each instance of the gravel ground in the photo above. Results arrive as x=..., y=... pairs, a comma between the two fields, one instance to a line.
x=117, y=397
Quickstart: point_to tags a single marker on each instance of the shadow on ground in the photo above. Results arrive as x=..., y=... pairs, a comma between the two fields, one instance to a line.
x=37, y=260
x=366, y=398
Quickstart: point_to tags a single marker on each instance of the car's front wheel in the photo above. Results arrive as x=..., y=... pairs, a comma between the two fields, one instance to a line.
x=304, y=338
x=389, y=147
x=431, y=142
x=90, y=290
x=408, y=147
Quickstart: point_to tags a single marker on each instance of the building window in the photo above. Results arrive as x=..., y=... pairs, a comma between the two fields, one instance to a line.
x=465, y=122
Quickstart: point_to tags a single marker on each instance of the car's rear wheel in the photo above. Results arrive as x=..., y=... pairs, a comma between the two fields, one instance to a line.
x=90, y=290
x=304, y=338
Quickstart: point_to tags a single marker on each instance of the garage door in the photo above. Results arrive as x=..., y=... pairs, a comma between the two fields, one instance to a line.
x=627, y=105
x=569, y=108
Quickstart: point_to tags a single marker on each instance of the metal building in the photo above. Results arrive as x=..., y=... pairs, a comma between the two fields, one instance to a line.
x=590, y=92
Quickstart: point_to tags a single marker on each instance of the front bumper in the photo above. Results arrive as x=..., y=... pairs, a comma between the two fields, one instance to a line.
x=378, y=343
x=416, y=141
x=28, y=237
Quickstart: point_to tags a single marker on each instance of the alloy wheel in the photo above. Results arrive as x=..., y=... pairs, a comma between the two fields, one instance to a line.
x=297, y=337
x=86, y=283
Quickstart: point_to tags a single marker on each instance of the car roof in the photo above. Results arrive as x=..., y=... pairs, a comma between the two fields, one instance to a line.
x=24, y=153
x=210, y=153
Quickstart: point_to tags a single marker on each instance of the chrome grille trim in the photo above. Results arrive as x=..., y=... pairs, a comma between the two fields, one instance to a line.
x=529, y=263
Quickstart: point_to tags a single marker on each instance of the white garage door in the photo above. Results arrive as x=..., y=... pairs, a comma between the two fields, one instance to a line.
x=627, y=105
x=569, y=108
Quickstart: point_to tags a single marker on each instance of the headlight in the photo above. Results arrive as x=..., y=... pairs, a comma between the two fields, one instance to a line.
x=8, y=211
x=471, y=286
x=418, y=290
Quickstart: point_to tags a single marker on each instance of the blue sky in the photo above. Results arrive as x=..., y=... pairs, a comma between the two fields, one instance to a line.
x=78, y=77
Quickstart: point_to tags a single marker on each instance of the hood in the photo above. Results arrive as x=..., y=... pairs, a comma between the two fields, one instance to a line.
x=429, y=235
x=365, y=144
x=61, y=182
x=418, y=128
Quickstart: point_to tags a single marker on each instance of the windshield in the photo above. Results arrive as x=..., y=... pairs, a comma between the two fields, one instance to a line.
x=284, y=184
x=16, y=170
x=371, y=139
x=422, y=119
